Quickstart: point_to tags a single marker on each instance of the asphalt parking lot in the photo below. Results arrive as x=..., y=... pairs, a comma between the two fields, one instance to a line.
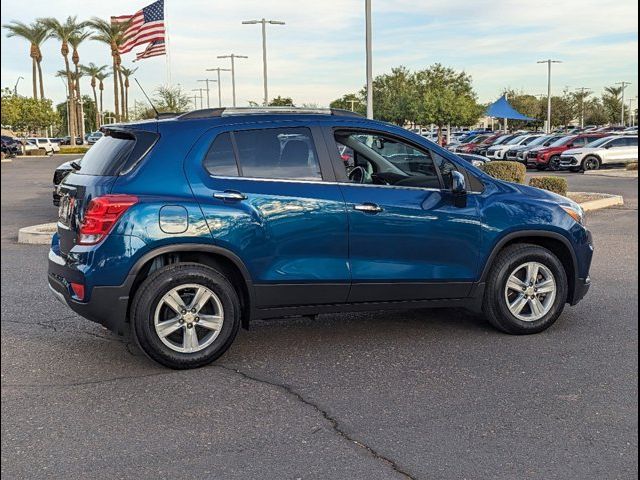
x=422, y=394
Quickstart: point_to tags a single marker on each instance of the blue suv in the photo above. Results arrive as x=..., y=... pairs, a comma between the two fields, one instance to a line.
x=180, y=230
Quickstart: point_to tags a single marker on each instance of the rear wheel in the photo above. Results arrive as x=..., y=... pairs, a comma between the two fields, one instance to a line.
x=185, y=315
x=590, y=163
x=526, y=290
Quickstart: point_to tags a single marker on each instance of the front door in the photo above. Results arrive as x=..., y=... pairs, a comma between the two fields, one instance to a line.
x=407, y=239
x=264, y=194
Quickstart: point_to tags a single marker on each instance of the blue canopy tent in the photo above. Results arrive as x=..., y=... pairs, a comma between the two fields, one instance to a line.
x=501, y=108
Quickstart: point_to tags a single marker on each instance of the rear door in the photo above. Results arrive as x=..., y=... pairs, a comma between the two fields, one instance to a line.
x=268, y=196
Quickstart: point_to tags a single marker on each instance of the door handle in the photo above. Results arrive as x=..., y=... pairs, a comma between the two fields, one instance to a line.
x=368, y=208
x=230, y=196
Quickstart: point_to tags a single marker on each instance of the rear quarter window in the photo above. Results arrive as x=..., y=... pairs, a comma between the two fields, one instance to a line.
x=116, y=151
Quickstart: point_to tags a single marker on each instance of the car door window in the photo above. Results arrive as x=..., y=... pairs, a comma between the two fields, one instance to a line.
x=617, y=143
x=372, y=158
x=632, y=142
x=278, y=153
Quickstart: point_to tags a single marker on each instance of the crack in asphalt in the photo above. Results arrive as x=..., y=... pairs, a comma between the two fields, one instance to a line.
x=87, y=382
x=50, y=324
x=335, y=425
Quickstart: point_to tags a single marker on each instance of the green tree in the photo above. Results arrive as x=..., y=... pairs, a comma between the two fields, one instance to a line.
x=281, y=102
x=395, y=96
x=35, y=34
x=27, y=115
x=94, y=71
x=126, y=73
x=165, y=99
x=612, y=103
x=351, y=101
x=64, y=32
x=446, y=97
x=90, y=112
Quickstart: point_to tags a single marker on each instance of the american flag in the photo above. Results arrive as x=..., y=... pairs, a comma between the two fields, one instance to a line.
x=147, y=25
x=154, y=49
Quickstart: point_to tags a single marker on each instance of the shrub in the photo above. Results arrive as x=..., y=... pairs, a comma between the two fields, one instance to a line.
x=632, y=166
x=36, y=153
x=553, y=184
x=69, y=149
x=508, y=171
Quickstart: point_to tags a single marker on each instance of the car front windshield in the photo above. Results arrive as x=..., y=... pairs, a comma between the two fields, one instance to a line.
x=502, y=139
x=598, y=142
x=562, y=141
x=538, y=141
x=515, y=141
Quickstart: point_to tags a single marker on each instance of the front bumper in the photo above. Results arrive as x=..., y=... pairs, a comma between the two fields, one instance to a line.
x=581, y=289
x=569, y=161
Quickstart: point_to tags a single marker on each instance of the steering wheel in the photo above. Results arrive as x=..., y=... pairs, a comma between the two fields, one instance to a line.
x=358, y=174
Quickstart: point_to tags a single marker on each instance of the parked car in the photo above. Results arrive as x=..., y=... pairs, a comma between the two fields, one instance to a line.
x=615, y=149
x=538, y=144
x=549, y=158
x=470, y=145
x=45, y=144
x=11, y=146
x=60, y=174
x=67, y=141
x=475, y=160
x=483, y=148
x=499, y=151
x=180, y=243
x=511, y=153
x=29, y=145
x=94, y=137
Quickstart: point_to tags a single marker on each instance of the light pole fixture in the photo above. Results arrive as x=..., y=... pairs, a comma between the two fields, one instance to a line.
x=624, y=85
x=264, y=23
x=233, y=57
x=201, y=96
x=368, y=48
x=207, y=80
x=584, y=91
x=549, y=62
x=218, y=69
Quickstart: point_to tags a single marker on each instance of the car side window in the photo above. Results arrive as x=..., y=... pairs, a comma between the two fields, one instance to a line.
x=278, y=153
x=632, y=141
x=372, y=158
x=617, y=143
x=220, y=160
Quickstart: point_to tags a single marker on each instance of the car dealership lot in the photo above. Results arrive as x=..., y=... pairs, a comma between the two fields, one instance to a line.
x=420, y=394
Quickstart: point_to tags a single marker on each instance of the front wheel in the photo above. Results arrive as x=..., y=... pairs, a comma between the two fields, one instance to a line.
x=526, y=290
x=185, y=315
x=554, y=163
x=590, y=163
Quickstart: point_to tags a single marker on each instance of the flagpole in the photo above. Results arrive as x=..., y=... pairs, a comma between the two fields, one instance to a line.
x=166, y=44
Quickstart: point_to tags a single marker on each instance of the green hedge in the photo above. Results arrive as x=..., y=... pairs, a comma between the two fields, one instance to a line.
x=510, y=171
x=553, y=184
x=69, y=149
x=632, y=166
x=36, y=153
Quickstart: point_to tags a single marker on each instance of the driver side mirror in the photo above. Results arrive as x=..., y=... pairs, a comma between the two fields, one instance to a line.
x=459, y=189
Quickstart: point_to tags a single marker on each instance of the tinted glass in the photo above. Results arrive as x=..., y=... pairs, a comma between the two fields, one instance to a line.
x=220, y=159
x=562, y=141
x=618, y=142
x=580, y=142
x=597, y=142
x=107, y=155
x=286, y=153
x=632, y=142
x=446, y=168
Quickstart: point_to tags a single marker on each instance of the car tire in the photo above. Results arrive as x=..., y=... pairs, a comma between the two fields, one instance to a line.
x=150, y=313
x=590, y=163
x=575, y=169
x=499, y=298
x=554, y=163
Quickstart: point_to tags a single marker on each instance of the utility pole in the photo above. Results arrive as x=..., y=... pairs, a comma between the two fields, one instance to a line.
x=201, y=96
x=218, y=69
x=233, y=56
x=367, y=12
x=264, y=23
x=207, y=80
x=624, y=85
x=549, y=62
x=353, y=103
x=584, y=91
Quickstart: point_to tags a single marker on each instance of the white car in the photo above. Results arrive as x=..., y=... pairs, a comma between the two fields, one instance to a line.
x=46, y=144
x=94, y=137
x=498, y=152
x=603, y=151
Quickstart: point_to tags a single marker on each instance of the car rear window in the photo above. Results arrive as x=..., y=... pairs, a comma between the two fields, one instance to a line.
x=116, y=151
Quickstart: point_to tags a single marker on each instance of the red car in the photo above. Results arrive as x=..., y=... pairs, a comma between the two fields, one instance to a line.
x=549, y=158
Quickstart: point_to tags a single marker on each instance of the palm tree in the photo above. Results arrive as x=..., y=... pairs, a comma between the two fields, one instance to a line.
x=113, y=35
x=75, y=41
x=93, y=71
x=75, y=78
x=101, y=78
x=126, y=73
x=35, y=34
x=64, y=32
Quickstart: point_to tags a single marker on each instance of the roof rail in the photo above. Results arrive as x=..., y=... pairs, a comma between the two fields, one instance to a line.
x=226, y=111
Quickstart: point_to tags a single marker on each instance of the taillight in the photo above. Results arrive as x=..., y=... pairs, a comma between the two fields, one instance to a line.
x=101, y=215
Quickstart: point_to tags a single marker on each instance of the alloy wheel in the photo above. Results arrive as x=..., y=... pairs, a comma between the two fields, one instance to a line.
x=530, y=291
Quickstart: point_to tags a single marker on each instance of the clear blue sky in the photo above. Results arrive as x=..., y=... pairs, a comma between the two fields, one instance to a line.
x=319, y=54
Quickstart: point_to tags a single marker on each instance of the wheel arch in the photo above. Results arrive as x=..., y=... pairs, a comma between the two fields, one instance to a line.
x=213, y=256
x=556, y=243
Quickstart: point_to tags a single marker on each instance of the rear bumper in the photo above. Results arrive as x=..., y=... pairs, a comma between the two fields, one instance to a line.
x=106, y=305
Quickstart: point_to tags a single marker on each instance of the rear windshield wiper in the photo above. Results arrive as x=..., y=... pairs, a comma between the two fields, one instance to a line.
x=75, y=165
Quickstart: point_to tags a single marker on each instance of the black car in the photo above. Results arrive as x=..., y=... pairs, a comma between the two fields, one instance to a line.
x=67, y=141
x=11, y=146
x=60, y=174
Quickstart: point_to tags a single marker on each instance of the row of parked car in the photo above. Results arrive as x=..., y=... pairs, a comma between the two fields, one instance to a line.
x=587, y=149
x=12, y=146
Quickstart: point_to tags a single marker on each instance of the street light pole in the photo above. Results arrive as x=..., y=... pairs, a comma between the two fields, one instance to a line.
x=201, y=96
x=367, y=10
x=233, y=56
x=207, y=80
x=624, y=86
x=549, y=62
x=218, y=69
x=583, y=91
x=264, y=23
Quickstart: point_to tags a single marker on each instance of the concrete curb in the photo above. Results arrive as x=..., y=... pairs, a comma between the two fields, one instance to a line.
x=614, y=173
x=37, y=234
x=600, y=203
x=6, y=160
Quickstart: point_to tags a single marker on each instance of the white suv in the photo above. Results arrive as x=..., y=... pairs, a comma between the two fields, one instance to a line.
x=46, y=144
x=603, y=151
